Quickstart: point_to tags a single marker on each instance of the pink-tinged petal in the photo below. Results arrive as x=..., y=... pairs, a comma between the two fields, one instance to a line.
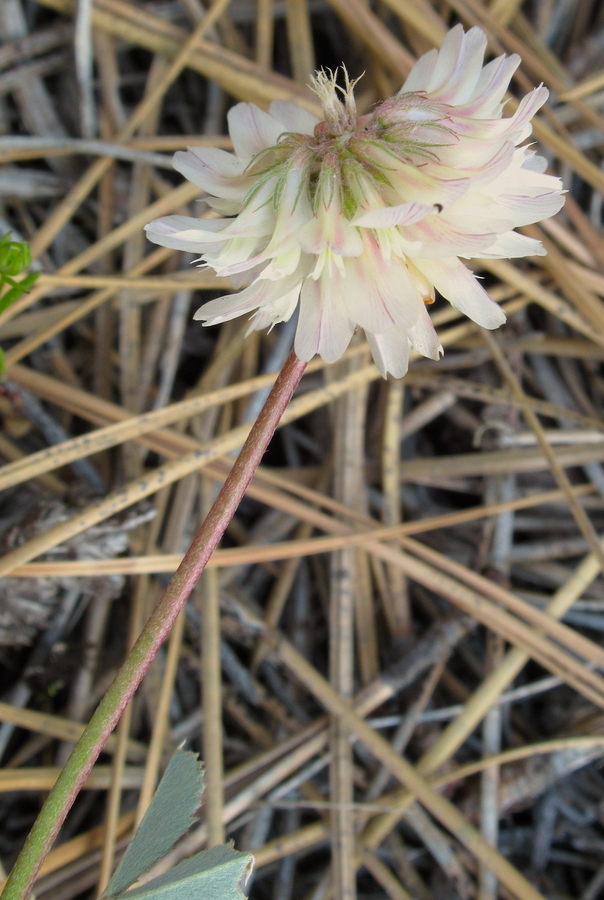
x=459, y=286
x=420, y=74
x=377, y=294
x=519, y=124
x=424, y=338
x=441, y=238
x=293, y=117
x=329, y=229
x=185, y=233
x=482, y=167
x=457, y=87
x=323, y=326
x=213, y=170
x=414, y=184
x=485, y=101
x=524, y=210
x=390, y=351
x=252, y=130
x=389, y=216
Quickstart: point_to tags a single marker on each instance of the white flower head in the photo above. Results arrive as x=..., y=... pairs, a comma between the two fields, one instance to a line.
x=359, y=219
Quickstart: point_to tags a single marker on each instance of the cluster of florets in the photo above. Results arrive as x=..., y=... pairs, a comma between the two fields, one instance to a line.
x=359, y=218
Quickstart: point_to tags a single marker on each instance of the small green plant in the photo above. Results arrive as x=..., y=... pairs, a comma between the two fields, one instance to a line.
x=15, y=257
x=217, y=873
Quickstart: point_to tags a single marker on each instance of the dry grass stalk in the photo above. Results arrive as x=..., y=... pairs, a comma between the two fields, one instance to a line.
x=151, y=403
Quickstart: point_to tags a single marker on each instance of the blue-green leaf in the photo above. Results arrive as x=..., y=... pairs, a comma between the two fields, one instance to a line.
x=171, y=812
x=216, y=874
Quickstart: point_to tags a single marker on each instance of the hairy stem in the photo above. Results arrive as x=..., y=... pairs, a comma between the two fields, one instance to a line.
x=104, y=720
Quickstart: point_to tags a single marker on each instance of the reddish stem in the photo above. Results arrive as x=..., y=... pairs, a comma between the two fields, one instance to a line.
x=104, y=720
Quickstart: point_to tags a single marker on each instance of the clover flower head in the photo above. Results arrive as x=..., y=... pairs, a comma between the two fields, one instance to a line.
x=360, y=218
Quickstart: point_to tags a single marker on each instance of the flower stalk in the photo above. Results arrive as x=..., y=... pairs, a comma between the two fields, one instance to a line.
x=104, y=720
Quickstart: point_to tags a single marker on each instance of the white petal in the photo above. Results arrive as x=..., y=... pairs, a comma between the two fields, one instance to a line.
x=389, y=216
x=216, y=171
x=258, y=214
x=285, y=264
x=185, y=233
x=512, y=245
x=534, y=163
x=447, y=57
x=424, y=338
x=293, y=117
x=240, y=254
x=419, y=76
x=329, y=230
x=226, y=208
x=252, y=130
x=294, y=209
x=390, y=351
x=459, y=286
x=280, y=311
x=260, y=293
x=322, y=326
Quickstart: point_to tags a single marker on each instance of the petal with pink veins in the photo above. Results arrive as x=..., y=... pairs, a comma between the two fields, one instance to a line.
x=520, y=123
x=441, y=238
x=485, y=101
x=524, y=210
x=378, y=294
x=413, y=184
x=389, y=216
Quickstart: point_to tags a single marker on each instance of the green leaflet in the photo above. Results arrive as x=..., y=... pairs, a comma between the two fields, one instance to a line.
x=15, y=257
x=19, y=288
x=215, y=874
x=171, y=812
